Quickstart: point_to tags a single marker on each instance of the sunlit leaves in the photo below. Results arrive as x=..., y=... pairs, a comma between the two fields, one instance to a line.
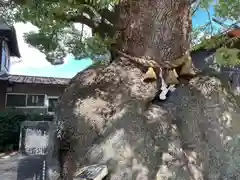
x=228, y=56
x=228, y=9
x=205, y=3
x=47, y=44
x=100, y=3
x=57, y=36
x=41, y=40
x=224, y=10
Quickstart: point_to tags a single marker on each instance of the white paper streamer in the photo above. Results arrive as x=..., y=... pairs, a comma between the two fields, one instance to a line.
x=164, y=88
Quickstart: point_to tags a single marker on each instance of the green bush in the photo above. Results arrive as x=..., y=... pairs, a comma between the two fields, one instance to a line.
x=10, y=128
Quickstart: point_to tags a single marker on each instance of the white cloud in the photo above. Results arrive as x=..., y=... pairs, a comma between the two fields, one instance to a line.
x=87, y=32
x=31, y=58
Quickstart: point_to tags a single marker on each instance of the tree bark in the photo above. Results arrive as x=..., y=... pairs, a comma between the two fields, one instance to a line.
x=159, y=29
x=109, y=115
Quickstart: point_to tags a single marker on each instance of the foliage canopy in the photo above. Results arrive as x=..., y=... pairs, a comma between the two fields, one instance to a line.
x=58, y=34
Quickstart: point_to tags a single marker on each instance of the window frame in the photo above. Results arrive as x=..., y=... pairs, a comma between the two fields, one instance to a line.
x=4, y=47
x=44, y=100
x=15, y=94
x=44, y=106
x=51, y=97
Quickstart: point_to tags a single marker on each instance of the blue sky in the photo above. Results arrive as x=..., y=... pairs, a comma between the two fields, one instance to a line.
x=201, y=17
x=67, y=70
x=34, y=63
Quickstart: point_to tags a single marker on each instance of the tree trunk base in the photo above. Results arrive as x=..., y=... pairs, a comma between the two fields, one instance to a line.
x=107, y=116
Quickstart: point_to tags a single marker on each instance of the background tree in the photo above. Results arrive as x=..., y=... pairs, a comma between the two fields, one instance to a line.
x=108, y=114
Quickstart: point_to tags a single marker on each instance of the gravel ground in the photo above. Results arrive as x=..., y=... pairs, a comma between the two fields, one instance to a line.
x=8, y=167
x=28, y=166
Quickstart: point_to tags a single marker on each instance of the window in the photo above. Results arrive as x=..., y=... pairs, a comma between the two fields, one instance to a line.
x=25, y=100
x=52, y=104
x=5, y=55
x=35, y=100
x=16, y=100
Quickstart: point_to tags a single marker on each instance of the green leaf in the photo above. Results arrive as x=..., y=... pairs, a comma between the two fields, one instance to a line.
x=228, y=56
x=58, y=37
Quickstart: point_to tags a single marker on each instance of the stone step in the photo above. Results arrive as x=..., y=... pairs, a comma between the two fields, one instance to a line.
x=93, y=172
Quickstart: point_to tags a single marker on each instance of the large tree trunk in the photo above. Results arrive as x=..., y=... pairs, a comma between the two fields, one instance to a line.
x=109, y=115
x=159, y=29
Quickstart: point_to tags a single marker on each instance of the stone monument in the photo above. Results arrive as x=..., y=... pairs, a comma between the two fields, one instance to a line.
x=34, y=145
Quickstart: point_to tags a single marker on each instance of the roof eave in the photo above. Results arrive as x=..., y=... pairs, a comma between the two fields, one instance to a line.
x=13, y=43
x=15, y=49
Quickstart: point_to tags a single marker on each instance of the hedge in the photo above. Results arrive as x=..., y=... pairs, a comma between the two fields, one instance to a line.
x=10, y=128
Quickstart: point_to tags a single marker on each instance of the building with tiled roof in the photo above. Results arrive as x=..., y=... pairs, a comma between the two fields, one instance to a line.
x=38, y=80
x=32, y=94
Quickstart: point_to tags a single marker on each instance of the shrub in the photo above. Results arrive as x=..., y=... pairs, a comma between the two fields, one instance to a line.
x=10, y=128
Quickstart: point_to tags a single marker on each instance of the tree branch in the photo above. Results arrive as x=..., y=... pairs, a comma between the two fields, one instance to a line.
x=83, y=20
x=111, y=16
x=210, y=21
x=104, y=27
x=195, y=7
x=193, y=1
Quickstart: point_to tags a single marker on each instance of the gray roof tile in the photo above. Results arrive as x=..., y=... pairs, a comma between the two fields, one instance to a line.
x=38, y=80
